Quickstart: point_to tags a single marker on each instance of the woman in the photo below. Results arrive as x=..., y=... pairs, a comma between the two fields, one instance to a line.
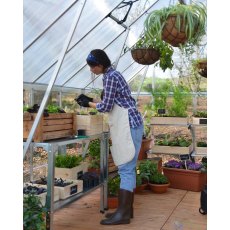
x=126, y=130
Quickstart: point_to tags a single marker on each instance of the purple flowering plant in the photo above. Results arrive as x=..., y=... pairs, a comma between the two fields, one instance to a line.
x=184, y=165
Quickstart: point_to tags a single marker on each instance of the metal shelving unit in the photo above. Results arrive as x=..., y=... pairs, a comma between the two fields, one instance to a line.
x=192, y=128
x=52, y=148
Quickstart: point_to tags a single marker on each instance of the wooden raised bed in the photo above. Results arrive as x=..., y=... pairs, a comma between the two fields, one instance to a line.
x=56, y=125
x=92, y=124
x=169, y=120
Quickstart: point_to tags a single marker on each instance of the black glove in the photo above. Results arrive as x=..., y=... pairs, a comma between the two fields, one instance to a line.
x=83, y=96
x=83, y=102
x=102, y=94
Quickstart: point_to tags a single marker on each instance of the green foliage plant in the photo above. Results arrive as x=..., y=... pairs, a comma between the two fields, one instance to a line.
x=164, y=49
x=193, y=15
x=94, y=153
x=200, y=114
x=53, y=108
x=180, y=102
x=160, y=93
x=33, y=213
x=145, y=169
x=158, y=178
x=113, y=186
x=167, y=140
x=201, y=144
x=67, y=161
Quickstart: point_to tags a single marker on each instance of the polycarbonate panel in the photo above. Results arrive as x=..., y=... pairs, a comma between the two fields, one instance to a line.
x=75, y=60
x=38, y=15
x=92, y=14
x=113, y=51
x=44, y=53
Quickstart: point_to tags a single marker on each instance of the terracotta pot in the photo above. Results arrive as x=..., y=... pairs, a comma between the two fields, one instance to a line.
x=171, y=34
x=159, y=188
x=145, y=56
x=145, y=146
x=112, y=202
x=185, y=179
x=97, y=171
x=139, y=189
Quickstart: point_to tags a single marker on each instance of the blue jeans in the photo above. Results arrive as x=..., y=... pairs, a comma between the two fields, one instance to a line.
x=127, y=171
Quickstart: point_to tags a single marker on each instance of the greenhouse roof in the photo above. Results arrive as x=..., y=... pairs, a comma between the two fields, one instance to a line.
x=46, y=27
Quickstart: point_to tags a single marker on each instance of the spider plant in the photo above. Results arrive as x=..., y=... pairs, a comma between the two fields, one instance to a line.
x=193, y=17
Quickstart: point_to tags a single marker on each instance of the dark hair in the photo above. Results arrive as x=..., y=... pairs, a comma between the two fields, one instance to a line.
x=98, y=57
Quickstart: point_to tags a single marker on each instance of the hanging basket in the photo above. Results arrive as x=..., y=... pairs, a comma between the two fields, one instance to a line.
x=171, y=34
x=202, y=68
x=145, y=56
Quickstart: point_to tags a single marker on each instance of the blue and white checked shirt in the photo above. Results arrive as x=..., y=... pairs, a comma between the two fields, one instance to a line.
x=116, y=90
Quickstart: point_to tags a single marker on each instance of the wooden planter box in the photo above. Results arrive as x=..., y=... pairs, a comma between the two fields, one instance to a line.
x=56, y=125
x=42, y=196
x=145, y=146
x=201, y=150
x=169, y=120
x=185, y=179
x=70, y=190
x=71, y=173
x=171, y=149
x=199, y=120
x=92, y=124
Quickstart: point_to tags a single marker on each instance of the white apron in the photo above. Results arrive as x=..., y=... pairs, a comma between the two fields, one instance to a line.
x=122, y=149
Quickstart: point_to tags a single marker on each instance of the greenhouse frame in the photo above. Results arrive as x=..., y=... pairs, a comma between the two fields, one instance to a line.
x=57, y=39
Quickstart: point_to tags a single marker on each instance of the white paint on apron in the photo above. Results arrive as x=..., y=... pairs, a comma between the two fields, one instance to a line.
x=122, y=149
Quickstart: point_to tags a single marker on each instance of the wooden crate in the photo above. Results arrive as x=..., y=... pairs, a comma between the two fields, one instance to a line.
x=169, y=120
x=42, y=196
x=171, y=149
x=199, y=120
x=92, y=124
x=73, y=173
x=56, y=125
x=70, y=190
x=201, y=150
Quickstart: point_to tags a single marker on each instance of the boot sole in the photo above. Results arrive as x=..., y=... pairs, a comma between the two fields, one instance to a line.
x=115, y=223
x=108, y=215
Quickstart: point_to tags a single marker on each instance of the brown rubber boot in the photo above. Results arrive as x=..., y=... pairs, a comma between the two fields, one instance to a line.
x=123, y=212
x=109, y=214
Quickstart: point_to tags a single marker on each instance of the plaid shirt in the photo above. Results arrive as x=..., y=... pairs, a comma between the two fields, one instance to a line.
x=116, y=90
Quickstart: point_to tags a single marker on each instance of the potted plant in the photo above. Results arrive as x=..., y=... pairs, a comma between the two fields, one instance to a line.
x=186, y=175
x=158, y=183
x=146, y=138
x=69, y=166
x=144, y=169
x=113, y=188
x=171, y=144
x=178, y=24
x=147, y=51
x=33, y=213
x=201, y=65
